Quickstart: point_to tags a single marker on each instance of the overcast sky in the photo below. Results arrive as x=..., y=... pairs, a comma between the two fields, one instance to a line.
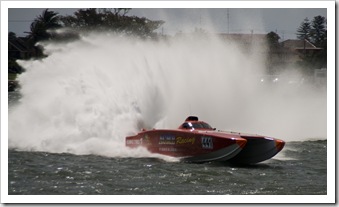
x=283, y=21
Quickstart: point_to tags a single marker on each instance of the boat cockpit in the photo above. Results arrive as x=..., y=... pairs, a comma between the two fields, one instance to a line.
x=192, y=122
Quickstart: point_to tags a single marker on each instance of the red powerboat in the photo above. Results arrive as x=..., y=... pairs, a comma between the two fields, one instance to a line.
x=197, y=141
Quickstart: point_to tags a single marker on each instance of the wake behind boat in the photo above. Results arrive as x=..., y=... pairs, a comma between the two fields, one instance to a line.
x=197, y=141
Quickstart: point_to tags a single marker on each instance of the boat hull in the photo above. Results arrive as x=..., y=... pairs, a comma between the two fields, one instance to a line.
x=258, y=149
x=223, y=154
x=193, y=146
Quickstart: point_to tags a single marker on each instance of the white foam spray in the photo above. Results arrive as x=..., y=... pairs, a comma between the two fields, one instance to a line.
x=88, y=95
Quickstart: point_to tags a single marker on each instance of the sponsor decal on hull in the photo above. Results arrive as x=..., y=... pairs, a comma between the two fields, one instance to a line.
x=167, y=149
x=167, y=139
x=134, y=141
x=185, y=140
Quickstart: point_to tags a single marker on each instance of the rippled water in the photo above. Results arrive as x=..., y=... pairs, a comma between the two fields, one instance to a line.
x=300, y=169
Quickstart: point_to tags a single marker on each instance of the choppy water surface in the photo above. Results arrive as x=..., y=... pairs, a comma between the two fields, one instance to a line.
x=299, y=170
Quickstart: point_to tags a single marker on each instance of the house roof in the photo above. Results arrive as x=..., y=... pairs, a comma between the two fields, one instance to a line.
x=244, y=37
x=299, y=45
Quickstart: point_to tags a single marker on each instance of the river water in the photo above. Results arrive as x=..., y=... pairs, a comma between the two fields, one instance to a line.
x=301, y=169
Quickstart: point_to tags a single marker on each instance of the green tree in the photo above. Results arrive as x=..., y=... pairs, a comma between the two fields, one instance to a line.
x=273, y=47
x=39, y=29
x=83, y=18
x=319, y=39
x=11, y=35
x=13, y=66
x=273, y=40
x=304, y=30
x=114, y=20
x=318, y=31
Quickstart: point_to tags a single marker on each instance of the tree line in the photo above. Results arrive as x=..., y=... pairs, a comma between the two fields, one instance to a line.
x=314, y=31
x=45, y=27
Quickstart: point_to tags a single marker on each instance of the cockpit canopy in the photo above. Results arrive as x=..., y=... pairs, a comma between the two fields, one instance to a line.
x=192, y=122
x=196, y=125
x=192, y=118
